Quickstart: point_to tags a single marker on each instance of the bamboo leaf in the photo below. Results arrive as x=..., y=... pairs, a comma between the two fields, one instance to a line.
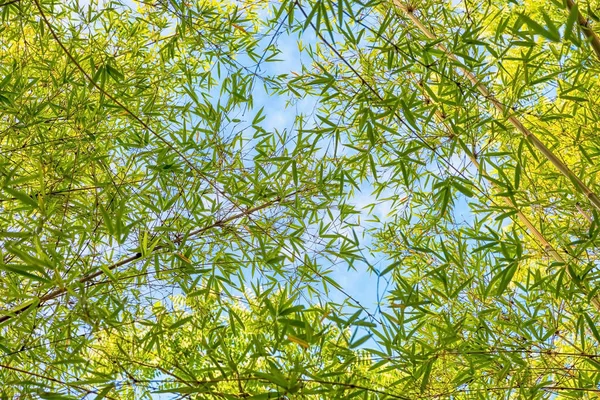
x=550, y=32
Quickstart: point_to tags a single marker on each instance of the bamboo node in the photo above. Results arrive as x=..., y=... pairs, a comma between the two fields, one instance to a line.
x=409, y=8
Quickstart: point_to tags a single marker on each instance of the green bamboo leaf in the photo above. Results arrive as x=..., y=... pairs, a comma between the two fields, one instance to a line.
x=181, y=322
x=55, y=396
x=504, y=277
x=592, y=14
x=356, y=343
x=23, y=271
x=570, y=24
x=426, y=373
x=109, y=273
x=114, y=73
x=592, y=327
x=15, y=235
x=276, y=378
x=104, y=392
x=550, y=32
x=461, y=188
x=22, y=197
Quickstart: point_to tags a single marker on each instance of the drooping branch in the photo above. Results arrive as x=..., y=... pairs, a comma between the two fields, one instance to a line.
x=136, y=256
x=51, y=379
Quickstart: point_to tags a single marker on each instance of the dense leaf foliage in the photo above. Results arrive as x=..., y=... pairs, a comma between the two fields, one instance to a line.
x=189, y=189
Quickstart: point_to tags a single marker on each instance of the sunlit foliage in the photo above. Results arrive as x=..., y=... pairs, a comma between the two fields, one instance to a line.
x=182, y=190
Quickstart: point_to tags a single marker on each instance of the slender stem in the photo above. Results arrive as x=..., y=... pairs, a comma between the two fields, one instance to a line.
x=585, y=214
x=510, y=204
x=561, y=166
x=586, y=29
x=136, y=256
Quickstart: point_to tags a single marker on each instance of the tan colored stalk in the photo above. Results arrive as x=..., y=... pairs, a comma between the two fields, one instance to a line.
x=585, y=28
x=582, y=212
x=562, y=167
x=510, y=204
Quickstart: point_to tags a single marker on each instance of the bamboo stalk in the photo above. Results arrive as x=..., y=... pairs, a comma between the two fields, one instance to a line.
x=545, y=244
x=562, y=167
x=585, y=28
x=582, y=212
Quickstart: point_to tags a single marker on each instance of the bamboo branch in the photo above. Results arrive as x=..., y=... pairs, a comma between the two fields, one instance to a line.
x=136, y=256
x=544, y=243
x=585, y=28
x=502, y=109
x=8, y=3
x=51, y=379
x=78, y=189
